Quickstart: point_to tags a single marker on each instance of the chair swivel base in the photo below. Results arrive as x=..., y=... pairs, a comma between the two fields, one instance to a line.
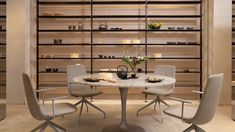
x=54, y=126
x=156, y=101
x=86, y=102
x=194, y=127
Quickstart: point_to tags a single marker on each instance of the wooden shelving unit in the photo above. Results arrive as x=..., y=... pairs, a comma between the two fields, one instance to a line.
x=2, y=59
x=89, y=42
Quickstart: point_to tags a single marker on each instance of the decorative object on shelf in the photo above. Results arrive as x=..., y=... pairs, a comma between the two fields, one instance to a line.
x=158, y=55
x=0, y=27
x=58, y=41
x=135, y=41
x=171, y=28
x=80, y=26
x=171, y=42
x=133, y=62
x=74, y=55
x=181, y=43
x=72, y=27
x=48, y=69
x=103, y=25
x=100, y=55
x=180, y=28
x=122, y=71
x=189, y=28
x=113, y=56
x=126, y=41
x=191, y=43
x=116, y=28
x=154, y=25
x=105, y=56
x=49, y=56
x=55, y=69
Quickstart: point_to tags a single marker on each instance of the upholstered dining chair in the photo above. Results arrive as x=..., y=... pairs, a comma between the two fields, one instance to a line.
x=45, y=112
x=205, y=111
x=79, y=90
x=164, y=70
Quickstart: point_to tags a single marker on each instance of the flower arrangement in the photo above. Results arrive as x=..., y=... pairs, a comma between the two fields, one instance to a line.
x=154, y=25
x=134, y=61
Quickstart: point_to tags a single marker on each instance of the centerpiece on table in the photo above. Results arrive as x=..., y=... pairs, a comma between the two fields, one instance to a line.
x=133, y=62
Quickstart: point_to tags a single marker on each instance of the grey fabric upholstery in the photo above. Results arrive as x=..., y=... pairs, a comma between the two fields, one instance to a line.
x=205, y=111
x=44, y=111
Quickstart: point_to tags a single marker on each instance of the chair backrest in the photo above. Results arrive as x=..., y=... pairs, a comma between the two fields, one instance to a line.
x=209, y=100
x=33, y=105
x=165, y=70
x=74, y=71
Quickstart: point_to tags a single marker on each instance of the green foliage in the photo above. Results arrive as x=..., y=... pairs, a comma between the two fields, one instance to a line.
x=154, y=25
x=134, y=61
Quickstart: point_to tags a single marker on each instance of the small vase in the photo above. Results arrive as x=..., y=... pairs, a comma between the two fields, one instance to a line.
x=133, y=72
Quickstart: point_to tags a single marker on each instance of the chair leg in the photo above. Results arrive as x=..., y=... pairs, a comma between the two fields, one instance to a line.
x=56, y=127
x=194, y=127
x=198, y=129
x=165, y=103
x=145, y=98
x=159, y=106
x=79, y=102
x=38, y=127
x=145, y=106
x=155, y=106
x=86, y=106
x=44, y=127
x=89, y=103
x=80, y=113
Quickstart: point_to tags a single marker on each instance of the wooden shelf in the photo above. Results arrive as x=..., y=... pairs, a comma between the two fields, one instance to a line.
x=121, y=16
x=118, y=2
x=143, y=34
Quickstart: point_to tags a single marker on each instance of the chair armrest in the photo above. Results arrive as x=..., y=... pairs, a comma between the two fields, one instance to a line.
x=45, y=90
x=56, y=98
x=182, y=105
x=198, y=92
x=180, y=100
x=53, y=103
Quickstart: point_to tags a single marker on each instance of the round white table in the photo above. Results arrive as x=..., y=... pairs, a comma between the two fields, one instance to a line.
x=123, y=86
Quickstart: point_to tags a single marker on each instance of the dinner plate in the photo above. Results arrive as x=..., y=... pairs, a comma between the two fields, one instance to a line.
x=154, y=81
x=91, y=80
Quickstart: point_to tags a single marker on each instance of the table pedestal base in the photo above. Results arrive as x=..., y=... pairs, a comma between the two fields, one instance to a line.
x=116, y=128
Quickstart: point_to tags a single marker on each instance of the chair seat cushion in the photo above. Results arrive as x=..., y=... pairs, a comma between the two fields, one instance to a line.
x=157, y=91
x=60, y=109
x=175, y=111
x=85, y=93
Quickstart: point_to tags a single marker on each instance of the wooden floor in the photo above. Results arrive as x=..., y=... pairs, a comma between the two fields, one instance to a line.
x=19, y=119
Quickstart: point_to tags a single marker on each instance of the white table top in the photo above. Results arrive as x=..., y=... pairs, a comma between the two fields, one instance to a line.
x=130, y=83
